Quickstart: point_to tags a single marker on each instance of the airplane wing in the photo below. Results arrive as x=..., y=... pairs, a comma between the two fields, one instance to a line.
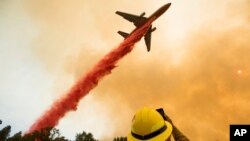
x=123, y=34
x=129, y=17
x=147, y=38
x=137, y=20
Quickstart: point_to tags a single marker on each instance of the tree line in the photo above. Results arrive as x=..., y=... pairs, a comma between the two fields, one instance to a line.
x=47, y=134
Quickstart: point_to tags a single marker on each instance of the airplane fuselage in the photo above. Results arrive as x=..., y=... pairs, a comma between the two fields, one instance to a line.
x=160, y=11
x=155, y=15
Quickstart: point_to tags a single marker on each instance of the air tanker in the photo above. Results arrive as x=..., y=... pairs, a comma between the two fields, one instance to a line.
x=141, y=20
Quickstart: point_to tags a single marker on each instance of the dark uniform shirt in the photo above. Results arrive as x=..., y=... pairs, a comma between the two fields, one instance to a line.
x=178, y=135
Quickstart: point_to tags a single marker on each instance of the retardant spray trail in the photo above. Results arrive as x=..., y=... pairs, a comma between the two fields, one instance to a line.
x=90, y=80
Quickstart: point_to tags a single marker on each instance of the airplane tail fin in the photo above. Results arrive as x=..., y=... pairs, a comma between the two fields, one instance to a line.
x=123, y=34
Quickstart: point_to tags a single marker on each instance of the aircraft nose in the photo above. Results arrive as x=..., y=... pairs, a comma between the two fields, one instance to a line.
x=168, y=5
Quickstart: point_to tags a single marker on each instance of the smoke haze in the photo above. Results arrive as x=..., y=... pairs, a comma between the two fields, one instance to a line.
x=197, y=70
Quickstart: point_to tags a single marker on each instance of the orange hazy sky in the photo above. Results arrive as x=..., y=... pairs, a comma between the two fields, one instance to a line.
x=198, y=68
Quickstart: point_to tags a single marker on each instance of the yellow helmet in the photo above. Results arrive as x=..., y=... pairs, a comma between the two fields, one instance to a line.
x=149, y=125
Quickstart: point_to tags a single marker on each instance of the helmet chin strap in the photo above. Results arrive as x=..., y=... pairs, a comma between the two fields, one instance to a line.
x=151, y=135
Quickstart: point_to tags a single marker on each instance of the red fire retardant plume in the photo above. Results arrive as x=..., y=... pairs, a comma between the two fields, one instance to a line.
x=90, y=80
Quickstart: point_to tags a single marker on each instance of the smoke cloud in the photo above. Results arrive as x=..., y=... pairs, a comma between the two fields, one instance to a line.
x=198, y=69
x=104, y=67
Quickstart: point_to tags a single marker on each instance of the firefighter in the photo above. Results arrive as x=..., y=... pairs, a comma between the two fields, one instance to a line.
x=153, y=125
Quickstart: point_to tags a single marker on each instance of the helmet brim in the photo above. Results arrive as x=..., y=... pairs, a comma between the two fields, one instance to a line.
x=161, y=137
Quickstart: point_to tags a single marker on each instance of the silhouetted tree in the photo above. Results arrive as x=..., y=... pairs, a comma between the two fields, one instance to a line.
x=46, y=134
x=15, y=137
x=120, y=139
x=55, y=135
x=4, y=133
x=85, y=137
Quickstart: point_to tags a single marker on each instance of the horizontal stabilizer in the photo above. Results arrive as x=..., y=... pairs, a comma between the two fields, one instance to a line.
x=123, y=34
x=153, y=29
